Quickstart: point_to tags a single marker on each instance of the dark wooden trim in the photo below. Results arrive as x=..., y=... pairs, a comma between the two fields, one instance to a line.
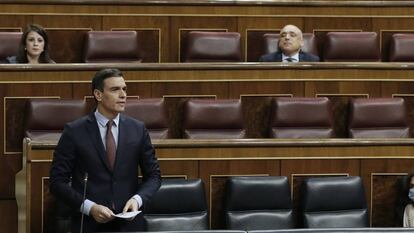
x=299, y=3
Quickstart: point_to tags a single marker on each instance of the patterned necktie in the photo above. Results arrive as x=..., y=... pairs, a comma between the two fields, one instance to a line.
x=290, y=59
x=110, y=144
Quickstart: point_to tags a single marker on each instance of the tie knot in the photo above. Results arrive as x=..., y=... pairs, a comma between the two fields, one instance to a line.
x=290, y=59
x=109, y=124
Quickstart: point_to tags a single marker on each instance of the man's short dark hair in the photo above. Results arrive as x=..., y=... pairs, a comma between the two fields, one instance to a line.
x=100, y=76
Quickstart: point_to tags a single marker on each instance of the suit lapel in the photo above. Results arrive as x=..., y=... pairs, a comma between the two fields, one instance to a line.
x=278, y=56
x=95, y=135
x=302, y=56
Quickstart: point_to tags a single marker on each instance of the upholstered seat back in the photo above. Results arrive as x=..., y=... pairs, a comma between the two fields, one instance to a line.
x=351, y=46
x=254, y=203
x=378, y=118
x=271, y=43
x=111, y=46
x=9, y=44
x=46, y=118
x=301, y=118
x=402, y=48
x=213, y=119
x=213, y=47
x=178, y=205
x=153, y=113
x=334, y=202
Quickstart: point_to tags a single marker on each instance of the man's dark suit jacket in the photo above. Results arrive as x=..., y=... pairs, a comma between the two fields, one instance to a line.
x=80, y=150
x=277, y=57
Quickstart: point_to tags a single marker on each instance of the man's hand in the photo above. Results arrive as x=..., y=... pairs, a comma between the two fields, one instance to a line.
x=131, y=205
x=101, y=214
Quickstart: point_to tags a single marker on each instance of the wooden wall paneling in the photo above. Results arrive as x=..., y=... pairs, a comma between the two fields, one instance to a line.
x=252, y=29
x=185, y=169
x=296, y=170
x=257, y=111
x=15, y=21
x=296, y=185
x=340, y=110
x=153, y=33
x=320, y=35
x=182, y=39
x=69, y=21
x=370, y=88
x=385, y=41
x=321, y=25
x=397, y=87
x=66, y=45
x=385, y=27
x=11, y=29
x=9, y=166
x=409, y=104
x=15, y=102
x=252, y=87
x=215, y=173
x=39, y=198
x=8, y=213
x=149, y=42
x=175, y=111
x=255, y=43
x=218, y=89
x=384, y=192
x=374, y=172
x=179, y=23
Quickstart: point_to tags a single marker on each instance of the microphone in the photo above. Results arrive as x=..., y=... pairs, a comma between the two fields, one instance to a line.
x=83, y=201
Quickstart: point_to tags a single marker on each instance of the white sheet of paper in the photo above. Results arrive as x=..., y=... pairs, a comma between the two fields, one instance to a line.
x=128, y=214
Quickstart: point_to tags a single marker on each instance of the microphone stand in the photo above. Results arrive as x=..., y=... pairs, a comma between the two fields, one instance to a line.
x=83, y=204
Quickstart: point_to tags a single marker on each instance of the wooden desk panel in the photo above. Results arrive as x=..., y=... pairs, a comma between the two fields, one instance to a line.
x=255, y=83
x=379, y=162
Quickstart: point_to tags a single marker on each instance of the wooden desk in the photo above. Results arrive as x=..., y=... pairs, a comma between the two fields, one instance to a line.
x=250, y=81
x=378, y=162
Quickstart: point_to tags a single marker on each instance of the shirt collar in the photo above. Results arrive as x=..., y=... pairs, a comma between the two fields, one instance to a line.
x=295, y=57
x=102, y=120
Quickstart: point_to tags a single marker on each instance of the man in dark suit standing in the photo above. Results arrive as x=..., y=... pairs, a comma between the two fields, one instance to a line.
x=290, y=44
x=110, y=148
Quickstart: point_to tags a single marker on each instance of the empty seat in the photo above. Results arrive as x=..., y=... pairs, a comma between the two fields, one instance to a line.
x=46, y=118
x=334, y=202
x=178, y=205
x=153, y=113
x=351, y=46
x=111, y=46
x=378, y=118
x=213, y=119
x=258, y=203
x=212, y=47
x=9, y=44
x=271, y=43
x=402, y=48
x=301, y=118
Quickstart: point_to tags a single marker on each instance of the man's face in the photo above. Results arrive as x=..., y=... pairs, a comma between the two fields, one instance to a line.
x=112, y=99
x=290, y=40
